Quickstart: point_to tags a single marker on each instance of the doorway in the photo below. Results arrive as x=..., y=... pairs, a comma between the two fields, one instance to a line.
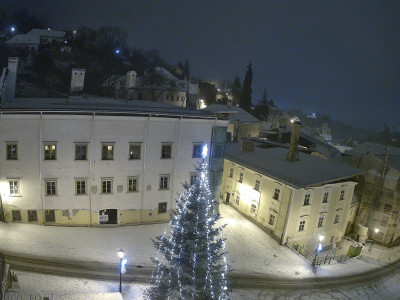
x=108, y=216
x=228, y=195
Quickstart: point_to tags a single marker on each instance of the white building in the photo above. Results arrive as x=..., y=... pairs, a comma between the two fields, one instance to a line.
x=33, y=39
x=82, y=161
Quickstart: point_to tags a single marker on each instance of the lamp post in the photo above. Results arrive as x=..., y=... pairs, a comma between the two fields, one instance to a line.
x=121, y=255
x=373, y=238
x=319, y=248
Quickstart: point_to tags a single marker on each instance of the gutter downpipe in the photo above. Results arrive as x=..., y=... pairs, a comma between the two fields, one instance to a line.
x=284, y=235
x=40, y=168
x=144, y=166
x=90, y=170
x=2, y=216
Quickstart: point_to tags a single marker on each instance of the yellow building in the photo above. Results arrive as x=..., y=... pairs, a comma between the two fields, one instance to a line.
x=301, y=199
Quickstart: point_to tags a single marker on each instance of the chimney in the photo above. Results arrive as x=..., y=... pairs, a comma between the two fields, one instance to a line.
x=77, y=80
x=247, y=146
x=130, y=80
x=293, y=154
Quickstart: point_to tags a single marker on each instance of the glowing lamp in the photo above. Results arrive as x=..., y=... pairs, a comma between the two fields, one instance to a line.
x=376, y=230
x=205, y=151
x=121, y=253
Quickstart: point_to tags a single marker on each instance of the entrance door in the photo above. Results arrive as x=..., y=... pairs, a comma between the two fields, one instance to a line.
x=228, y=195
x=108, y=216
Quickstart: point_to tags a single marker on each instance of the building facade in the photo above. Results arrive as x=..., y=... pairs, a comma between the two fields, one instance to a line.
x=298, y=200
x=93, y=167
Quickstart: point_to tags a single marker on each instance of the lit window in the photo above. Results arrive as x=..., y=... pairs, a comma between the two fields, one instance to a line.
x=240, y=177
x=132, y=184
x=301, y=226
x=14, y=187
x=325, y=198
x=134, y=151
x=162, y=207
x=164, y=182
x=271, y=220
x=80, y=151
x=257, y=185
x=12, y=152
x=197, y=150
x=80, y=187
x=107, y=152
x=341, y=195
x=307, y=199
x=336, y=219
x=50, y=151
x=276, y=194
x=231, y=172
x=193, y=178
x=166, y=151
x=106, y=186
x=321, y=222
x=51, y=187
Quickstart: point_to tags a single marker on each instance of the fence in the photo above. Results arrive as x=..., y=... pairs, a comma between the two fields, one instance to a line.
x=312, y=256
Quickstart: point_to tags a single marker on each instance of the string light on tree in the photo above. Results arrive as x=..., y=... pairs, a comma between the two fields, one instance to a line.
x=191, y=258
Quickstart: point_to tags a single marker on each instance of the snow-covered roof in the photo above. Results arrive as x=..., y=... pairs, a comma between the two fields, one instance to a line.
x=101, y=105
x=307, y=171
x=235, y=113
x=373, y=149
x=24, y=39
x=47, y=33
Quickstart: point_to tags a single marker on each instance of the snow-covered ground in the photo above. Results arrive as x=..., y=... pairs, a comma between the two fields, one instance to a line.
x=250, y=251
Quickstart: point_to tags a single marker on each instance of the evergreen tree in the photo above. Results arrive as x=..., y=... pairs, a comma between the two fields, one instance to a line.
x=265, y=97
x=191, y=262
x=186, y=70
x=245, y=100
x=236, y=90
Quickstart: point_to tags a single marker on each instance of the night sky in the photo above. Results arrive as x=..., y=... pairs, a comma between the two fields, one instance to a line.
x=340, y=58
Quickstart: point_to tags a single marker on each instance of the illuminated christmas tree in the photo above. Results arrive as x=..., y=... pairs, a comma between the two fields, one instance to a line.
x=191, y=261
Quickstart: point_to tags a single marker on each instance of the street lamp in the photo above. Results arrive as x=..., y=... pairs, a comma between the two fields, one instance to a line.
x=121, y=255
x=319, y=248
x=373, y=238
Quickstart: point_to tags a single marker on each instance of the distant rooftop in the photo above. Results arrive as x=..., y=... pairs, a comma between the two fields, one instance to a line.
x=47, y=33
x=373, y=149
x=307, y=171
x=235, y=113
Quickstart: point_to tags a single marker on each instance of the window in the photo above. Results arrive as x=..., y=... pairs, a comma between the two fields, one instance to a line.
x=80, y=151
x=387, y=208
x=253, y=209
x=106, y=186
x=336, y=219
x=307, y=199
x=237, y=199
x=132, y=184
x=107, y=152
x=166, y=150
x=50, y=151
x=80, y=187
x=197, y=150
x=12, y=152
x=51, y=187
x=32, y=216
x=332, y=239
x=16, y=216
x=341, y=195
x=240, y=177
x=321, y=222
x=134, y=151
x=164, y=182
x=325, y=198
x=49, y=215
x=257, y=185
x=218, y=151
x=271, y=220
x=14, y=187
x=231, y=172
x=301, y=226
x=193, y=178
x=162, y=207
x=276, y=194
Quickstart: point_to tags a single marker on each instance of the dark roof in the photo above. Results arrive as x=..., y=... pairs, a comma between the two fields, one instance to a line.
x=307, y=171
x=235, y=113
